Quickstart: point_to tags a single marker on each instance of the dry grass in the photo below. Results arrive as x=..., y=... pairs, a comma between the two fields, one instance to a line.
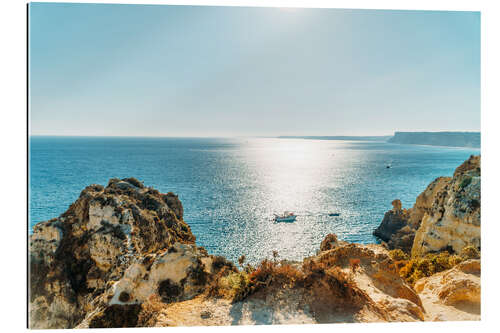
x=150, y=310
x=398, y=254
x=311, y=275
x=354, y=264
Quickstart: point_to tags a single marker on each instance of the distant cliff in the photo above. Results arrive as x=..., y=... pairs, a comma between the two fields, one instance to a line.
x=448, y=139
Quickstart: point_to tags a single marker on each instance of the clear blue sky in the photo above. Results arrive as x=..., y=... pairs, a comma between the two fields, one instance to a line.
x=230, y=71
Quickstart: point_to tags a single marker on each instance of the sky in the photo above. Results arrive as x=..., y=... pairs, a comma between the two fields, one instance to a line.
x=158, y=70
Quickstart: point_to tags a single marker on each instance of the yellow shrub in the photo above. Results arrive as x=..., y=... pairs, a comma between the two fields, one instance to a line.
x=416, y=268
x=398, y=254
x=470, y=252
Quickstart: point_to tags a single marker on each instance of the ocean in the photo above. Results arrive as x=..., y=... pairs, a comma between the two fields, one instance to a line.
x=230, y=188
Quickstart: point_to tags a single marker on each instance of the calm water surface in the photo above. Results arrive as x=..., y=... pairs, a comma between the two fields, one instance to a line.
x=230, y=188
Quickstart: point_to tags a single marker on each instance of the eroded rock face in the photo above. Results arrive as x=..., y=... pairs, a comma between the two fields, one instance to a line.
x=393, y=221
x=178, y=273
x=370, y=288
x=174, y=274
x=445, y=216
x=374, y=273
x=454, y=219
x=76, y=257
x=396, y=229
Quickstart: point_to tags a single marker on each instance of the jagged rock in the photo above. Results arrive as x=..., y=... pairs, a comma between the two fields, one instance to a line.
x=330, y=242
x=396, y=229
x=397, y=206
x=454, y=219
x=445, y=216
x=74, y=258
x=392, y=222
x=175, y=274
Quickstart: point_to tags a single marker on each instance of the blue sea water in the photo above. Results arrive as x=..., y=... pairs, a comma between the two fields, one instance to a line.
x=230, y=188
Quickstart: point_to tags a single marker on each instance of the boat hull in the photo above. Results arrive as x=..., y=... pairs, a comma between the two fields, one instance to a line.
x=286, y=219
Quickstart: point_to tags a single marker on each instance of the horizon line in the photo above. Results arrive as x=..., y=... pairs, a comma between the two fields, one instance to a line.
x=241, y=136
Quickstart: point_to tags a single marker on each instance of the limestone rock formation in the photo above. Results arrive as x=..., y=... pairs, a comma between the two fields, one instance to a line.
x=385, y=295
x=394, y=227
x=445, y=216
x=454, y=219
x=176, y=274
x=77, y=256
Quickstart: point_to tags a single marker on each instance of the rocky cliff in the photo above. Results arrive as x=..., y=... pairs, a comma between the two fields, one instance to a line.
x=454, y=220
x=446, y=216
x=81, y=254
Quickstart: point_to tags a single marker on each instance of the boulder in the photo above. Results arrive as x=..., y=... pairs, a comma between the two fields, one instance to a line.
x=329, y=242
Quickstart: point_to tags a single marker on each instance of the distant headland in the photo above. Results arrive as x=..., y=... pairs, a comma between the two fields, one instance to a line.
x=448, y=139
x=445, y=139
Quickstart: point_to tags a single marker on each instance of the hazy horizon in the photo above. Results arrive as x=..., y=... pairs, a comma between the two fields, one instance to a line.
x=240, y=136
x=188, y=71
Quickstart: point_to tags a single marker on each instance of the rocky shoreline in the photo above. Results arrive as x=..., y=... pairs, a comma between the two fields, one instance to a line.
x=122, y=256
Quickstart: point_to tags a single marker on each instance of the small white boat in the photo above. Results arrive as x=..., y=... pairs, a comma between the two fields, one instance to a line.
x=285, y=217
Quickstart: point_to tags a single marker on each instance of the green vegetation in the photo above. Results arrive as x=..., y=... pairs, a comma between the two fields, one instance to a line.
x=412, y=269
x=430, y=264
x=235, y=285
